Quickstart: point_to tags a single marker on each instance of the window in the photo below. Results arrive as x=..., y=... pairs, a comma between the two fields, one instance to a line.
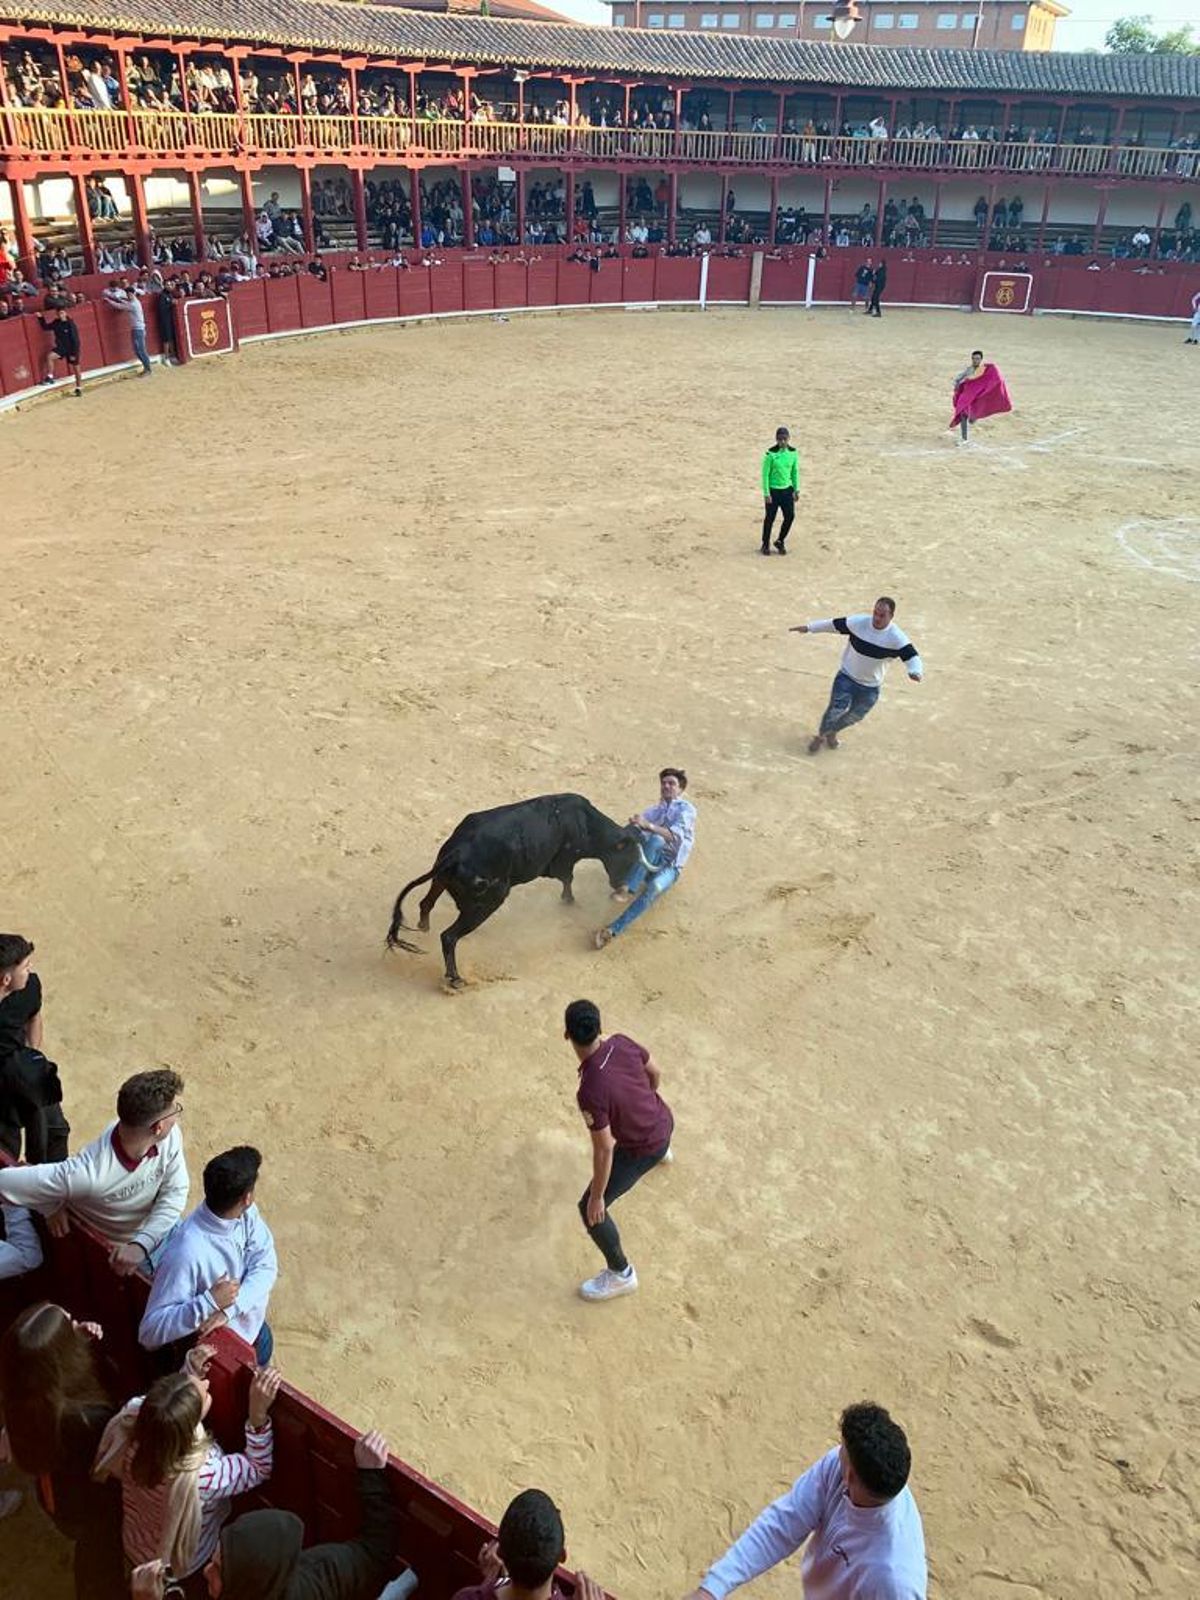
x=729, y=19
x=676, y=19
x=764, y=19
x=787, y=19
x=618, y=19
x=908, y=19
x=883, y=19
x=968, y=21
x=709, y=19
x=654, y=20
x=1018, y=21
x=822, y=22
x=947, y=19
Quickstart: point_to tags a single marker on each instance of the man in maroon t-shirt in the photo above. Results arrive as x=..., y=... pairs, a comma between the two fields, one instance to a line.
x=631, y=1128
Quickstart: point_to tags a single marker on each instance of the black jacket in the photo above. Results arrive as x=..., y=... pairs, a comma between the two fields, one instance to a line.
x=65, y=334
x=880, y=277
x=262, y=1556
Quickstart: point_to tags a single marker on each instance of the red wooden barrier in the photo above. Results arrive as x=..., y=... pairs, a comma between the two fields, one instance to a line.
x=676, y=278
x=479, y=289
x=607, y=286
x=415, y=290
x=21, y=354
x=729, y=278
x=249, y=301
x=316, y=301
x=348, y=295
x=574, y=283
x=637, y=281
x=542, y=283
x=784, y=280
x=446, y=286
x=511, y=280
x=283, y=304
x=381, y=295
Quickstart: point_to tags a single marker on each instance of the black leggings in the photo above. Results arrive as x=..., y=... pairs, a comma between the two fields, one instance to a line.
x=781, y=500
x=626, y=1170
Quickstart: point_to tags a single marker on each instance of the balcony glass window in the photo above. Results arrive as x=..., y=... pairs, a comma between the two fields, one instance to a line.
x=654, y=20
x=884, y=20
x=764, y=19
x=618, y=19
x=947, y=19
x=787, y=19
x=1018, y=21
x=729, y=19
x=676, y=19
x=968, y=21
x=909, y=19
x=822, y=22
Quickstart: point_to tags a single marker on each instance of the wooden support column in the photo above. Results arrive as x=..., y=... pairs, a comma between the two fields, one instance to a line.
x=306, y=209
x=83, y=220
x=72, y=134
x=672, y=206
x=880, y=202
x=414, y=192
x=724, y=198
x=127, y=113
x=464, y=179
x=1041, y=240
x=773, y=213
x=1113, y=164
x=569, y=203
x=196, y=205
x=358, y=191
x=676, y=146
x=622, y=204
x=1100, y=215
x=828, y=208
x=990, y=223
x=300, y=139
x=520, y=205
x=249, y=215
x=141, y=222
x=27, y=255
x=356, y=133
x=937, y=215
x=1158, y=222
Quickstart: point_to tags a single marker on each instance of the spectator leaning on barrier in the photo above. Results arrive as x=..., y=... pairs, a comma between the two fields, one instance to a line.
x=125, y=300
x=521, y=1562
x=130, y=1184
x=218, y=1268
x=55, y=1404
x=64, y=331
x=30, y=1090
x=20, y=1247
x=176, y=1481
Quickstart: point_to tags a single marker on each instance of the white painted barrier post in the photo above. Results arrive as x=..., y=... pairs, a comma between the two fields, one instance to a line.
x=703, y=281
x=808, y=288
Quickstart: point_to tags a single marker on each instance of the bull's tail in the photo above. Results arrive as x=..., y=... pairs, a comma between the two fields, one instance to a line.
x=394, y=942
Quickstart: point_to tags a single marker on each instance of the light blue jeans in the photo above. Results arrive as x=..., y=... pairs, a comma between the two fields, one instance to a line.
x=138, y=335
x=647, y=886
x=849, y=702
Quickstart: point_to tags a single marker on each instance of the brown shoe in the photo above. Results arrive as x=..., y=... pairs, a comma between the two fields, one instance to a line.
x=831, y=739
x=815, y=743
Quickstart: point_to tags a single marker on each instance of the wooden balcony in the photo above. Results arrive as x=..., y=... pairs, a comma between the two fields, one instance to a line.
x=192, y=136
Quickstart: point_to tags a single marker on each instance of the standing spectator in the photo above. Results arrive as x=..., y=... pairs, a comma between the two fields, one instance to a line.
x=176, y=1481
x=126, y=301
x=521, y=1562
x=865, y=1540
x=671, y=826
x=780, y=481
x=218, y=1268
x=878, y=285
x=872, y=639
x=261, y=1554
x=130, y=1184
x=20, y=1247
x=30, y=1091
x=64, y=331
x=56, y=1404
x=862, y=283
x=631, y=1127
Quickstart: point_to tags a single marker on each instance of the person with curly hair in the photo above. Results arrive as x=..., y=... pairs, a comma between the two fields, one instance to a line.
x=856, y=1511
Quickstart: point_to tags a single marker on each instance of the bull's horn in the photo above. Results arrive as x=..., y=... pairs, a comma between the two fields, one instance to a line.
x=644, y=859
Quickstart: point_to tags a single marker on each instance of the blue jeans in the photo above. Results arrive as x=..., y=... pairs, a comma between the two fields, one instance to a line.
x=648, y=887
x=138, y=335
x=264, y=1345
x=849, y=702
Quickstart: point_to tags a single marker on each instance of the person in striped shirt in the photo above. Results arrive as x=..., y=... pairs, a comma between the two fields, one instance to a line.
x=176, y=1481
x=872, y=640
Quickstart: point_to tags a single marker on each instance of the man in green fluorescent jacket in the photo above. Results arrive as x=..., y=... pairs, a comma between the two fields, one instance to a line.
x=780, y=480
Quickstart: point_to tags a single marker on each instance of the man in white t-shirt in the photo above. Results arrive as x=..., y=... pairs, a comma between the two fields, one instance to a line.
x=872, y=639
x=853, y=1506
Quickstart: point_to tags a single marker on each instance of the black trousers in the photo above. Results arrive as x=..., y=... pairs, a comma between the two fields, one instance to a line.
x=31, y=1104
x=626, y=1170
x=781, y=500
x=873, y=302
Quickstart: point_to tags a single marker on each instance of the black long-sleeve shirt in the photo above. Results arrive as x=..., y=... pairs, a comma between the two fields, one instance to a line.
x=65, y=333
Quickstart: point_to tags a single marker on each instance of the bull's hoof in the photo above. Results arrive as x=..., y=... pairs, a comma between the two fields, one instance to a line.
x=454, y=985
x=423, y=925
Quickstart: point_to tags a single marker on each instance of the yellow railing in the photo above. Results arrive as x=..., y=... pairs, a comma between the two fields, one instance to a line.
x=182, y=132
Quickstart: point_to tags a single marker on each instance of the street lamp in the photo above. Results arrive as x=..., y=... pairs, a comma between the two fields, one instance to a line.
x=846, y=17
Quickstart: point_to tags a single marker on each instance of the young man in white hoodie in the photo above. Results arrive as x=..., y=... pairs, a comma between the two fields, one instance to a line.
x=130, y=1184
x=219, y=1267
x=854, y=1508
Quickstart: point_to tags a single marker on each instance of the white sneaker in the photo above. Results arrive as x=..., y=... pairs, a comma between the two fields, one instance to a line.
x=608, y=1284
x=669, y=1159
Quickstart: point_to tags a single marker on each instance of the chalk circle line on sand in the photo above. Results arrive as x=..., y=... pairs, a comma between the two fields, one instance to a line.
x=1170, y=545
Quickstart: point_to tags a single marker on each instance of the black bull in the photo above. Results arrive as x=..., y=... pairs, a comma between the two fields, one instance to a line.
x=491, y=851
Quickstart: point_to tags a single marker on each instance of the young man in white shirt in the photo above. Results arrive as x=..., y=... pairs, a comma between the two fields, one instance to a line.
x=855, y=1510
x=872, y=639
x=130, y=1184
x=219, y=1266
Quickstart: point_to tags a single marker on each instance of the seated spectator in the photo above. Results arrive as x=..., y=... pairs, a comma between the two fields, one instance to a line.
x=522, y=1561
x=55, y=1403
x=30, y=1091
x=218, y=1268
x=20, y=1247
x=176, y=1481
x=130, y=1184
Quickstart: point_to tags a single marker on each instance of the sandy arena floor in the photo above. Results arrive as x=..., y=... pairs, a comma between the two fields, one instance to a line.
x=923, y=1004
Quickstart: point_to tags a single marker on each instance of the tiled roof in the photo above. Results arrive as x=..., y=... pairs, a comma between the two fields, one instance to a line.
x=333, y=25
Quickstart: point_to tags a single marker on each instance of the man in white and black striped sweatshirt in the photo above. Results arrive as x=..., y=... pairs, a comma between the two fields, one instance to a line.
x=872, y=640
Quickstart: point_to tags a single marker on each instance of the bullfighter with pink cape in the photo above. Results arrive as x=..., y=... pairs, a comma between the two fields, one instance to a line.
x=979, y=391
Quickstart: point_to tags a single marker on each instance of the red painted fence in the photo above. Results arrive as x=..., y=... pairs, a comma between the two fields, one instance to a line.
x=464, y=281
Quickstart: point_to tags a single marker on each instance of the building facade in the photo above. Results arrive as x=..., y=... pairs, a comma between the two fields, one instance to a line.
x=925, y=24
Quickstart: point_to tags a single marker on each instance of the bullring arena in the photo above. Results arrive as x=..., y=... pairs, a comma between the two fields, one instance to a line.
x=278, y=621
